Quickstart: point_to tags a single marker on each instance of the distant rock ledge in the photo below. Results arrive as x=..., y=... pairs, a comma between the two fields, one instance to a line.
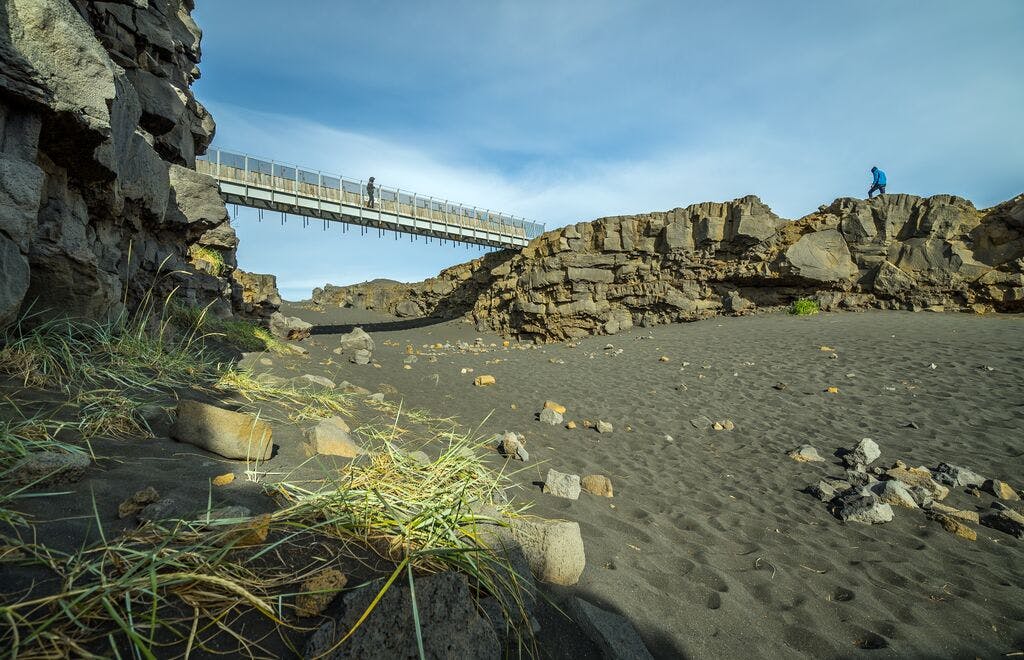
x=605, y=276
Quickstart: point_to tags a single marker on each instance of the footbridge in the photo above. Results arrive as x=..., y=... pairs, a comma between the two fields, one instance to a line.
x=268, y=185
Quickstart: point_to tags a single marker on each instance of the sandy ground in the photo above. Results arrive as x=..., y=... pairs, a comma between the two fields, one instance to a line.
x=709, y=546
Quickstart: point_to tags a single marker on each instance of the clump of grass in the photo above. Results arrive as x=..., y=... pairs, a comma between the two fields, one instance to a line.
x=23, y=436
x=112, y=414
x=159, y=589
x=250, y=337
x=804, y=307
x=301, y=403
x=427, y=518
x=131, y=591
x=212, y=259
x=239, y=333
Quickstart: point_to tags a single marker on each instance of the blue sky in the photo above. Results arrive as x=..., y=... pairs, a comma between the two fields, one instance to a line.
x=567, y=111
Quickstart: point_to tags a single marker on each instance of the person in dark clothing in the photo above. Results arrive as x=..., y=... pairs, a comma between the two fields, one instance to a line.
x=878, y=182
x=371, y=189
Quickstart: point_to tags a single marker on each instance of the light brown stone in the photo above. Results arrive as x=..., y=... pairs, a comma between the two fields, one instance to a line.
x=597, y=484
x=234, y=435
x=484, y=381
x=954, y=526
x=318, y=592
x=558, y=408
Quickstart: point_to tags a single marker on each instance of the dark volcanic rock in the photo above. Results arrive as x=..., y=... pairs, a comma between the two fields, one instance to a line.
x=451, y=625
x=99, y=131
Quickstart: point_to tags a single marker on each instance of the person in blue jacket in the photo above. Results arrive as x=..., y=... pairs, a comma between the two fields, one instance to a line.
x=878, y=182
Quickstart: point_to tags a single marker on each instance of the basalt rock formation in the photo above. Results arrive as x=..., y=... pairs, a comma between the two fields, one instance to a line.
x=256, y=295
x=601, y=277
x=99, y=131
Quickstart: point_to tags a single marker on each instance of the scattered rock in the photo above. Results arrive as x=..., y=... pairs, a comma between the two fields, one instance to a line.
x=895, y=493
x=956, y=476
x=230, y=434
x=422, y=458
x=597, y=484
x=331, y=439
x=317, y=381
x=832, y=390
x=513, y=445
x=554, y=548
x=224, y=479
x=918, y=477
x=289, y=327
x=701, y=423
x=613, y=634
x=249, y=532
x=806, y=454
x=1004, y=519
x=450, y=624
x=356, y=340
x=779, y=386
x=966, y=516
x=167, y=508
x=318, y=592
x=558, y=408
x=953, y=526
x=1000, y=489
x=137, y=502
x=361, y=356
x=48, y=468
x=828, y=488
x=857, y=505
x=570, y=425
x=564, y=485
x=376, y=397
x=270, y=380
x=549, y=416
x=604, y=427
x=863, y=454
x=484, y=381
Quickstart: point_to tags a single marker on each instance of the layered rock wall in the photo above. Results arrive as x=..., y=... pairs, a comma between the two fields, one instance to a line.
x=895, y=251
x=99, y=131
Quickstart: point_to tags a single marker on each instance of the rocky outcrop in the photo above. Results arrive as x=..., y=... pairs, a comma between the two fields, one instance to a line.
x=256, y=295
x=98, y=137
x=601, y=277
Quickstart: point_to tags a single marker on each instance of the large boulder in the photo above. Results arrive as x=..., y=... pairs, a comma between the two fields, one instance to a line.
x=234, y=435
x=554, y=548
x=289, y=327
x=353, y=341
x=822, y=256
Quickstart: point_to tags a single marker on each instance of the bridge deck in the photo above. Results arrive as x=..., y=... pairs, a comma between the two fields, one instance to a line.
x=265, y=184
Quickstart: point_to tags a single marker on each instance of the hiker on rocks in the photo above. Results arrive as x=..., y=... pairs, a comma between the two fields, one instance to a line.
x=370, y=189
x=877, y=183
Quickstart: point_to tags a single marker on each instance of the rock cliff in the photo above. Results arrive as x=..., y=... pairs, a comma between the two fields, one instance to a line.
x=601, y=277
x=99, y=131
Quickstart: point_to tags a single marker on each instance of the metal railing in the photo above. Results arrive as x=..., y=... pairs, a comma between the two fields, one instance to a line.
x=272, y=175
